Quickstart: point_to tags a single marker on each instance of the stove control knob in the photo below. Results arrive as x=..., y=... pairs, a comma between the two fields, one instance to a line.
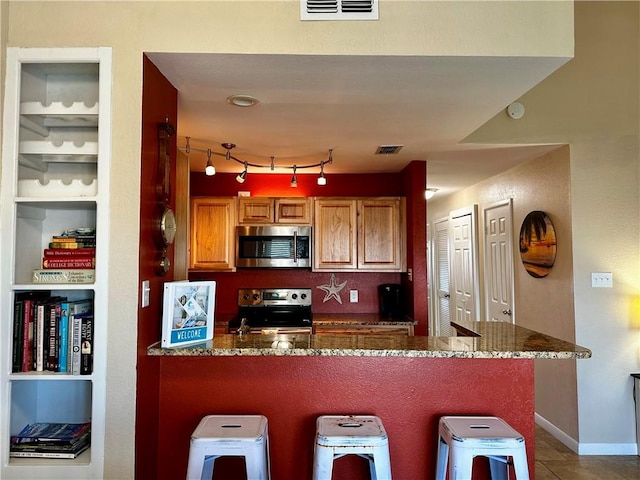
x=294, y=296
x=246, y=296
x=256, y=296
x=303, y=296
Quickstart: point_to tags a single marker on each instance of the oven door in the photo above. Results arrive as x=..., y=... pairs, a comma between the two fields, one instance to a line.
x=273, y=247
x=275, y=330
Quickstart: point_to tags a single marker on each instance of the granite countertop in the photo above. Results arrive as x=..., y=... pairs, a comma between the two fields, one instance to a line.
x=485, y=340
x=359, y=319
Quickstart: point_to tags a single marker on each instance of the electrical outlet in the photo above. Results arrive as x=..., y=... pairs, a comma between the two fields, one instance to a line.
x=146, y=289
x=602, y=280
x=353, y=296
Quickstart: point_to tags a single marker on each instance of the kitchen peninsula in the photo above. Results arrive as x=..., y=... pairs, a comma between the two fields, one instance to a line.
x=407, y=381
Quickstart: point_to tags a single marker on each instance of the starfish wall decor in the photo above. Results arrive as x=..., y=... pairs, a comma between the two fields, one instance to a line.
x=332, y=290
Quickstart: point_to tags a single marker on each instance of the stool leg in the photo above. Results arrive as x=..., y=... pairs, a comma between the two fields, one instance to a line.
x=520, y=464
x=256, y=463
x=380, y=464
x=322, y=463
x=443, y=456
x=196, y=464
x=499, y=467
x=460, y=463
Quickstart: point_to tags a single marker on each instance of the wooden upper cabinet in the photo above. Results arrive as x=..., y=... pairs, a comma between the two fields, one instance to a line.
x=212, y=245
x=266, y=210
x=381, y=234
x=334, y=234
x=255, y=210
x=293, y=210
x=365, y=234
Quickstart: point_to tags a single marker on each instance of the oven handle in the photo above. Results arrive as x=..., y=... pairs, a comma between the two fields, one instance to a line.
x=295, y=247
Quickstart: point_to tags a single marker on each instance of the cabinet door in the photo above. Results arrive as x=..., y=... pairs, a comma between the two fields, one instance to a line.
x=293, y=210
x=254, y=210
x=334, y=235
x=381, y=234
x=212, y=233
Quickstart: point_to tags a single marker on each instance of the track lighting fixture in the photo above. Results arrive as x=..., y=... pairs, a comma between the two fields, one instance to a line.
x=242, y=175
x=211, y=170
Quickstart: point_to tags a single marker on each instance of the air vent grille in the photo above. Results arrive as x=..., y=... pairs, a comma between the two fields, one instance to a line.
x=388, y=149
x=339, y=9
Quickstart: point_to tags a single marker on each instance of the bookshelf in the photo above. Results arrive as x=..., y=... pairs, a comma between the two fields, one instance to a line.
x=55, y=177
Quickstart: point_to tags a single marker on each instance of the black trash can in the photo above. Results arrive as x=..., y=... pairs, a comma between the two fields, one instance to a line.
x=392, y=300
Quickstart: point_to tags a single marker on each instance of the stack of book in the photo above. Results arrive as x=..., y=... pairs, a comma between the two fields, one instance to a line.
x=69, y=258
x=53, y=334
x=51, y=440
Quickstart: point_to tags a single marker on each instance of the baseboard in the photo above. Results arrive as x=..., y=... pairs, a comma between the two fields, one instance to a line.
x=586, y=448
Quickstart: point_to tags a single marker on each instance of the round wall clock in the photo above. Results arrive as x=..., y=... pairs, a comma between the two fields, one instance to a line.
x=165, y=229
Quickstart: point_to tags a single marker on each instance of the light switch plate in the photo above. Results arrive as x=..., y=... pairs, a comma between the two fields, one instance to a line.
x=353, y=296
x=146, y=289
x=601, y=280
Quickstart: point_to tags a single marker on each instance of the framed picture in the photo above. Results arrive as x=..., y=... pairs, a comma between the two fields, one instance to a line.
x=538, y=244
x=187, y=312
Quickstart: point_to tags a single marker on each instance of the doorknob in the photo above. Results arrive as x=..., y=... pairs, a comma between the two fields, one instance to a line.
x=507, y=312
x=446, y=295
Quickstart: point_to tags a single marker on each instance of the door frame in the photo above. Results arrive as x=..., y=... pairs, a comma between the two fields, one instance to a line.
x=472, y=211
x=510, y=257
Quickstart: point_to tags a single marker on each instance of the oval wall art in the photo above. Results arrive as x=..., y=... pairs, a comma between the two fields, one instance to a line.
x=537, y=244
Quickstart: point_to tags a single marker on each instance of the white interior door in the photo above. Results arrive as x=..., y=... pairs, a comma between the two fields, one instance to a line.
x=441, y=278
x=498, y=263
x=464, y=263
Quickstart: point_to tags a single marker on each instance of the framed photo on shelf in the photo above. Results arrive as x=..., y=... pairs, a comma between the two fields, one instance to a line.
x=187, y=312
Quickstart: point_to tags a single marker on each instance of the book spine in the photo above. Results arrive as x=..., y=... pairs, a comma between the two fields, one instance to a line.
x=65, y=245
x=86, y=346
x=75, y=350
x=63, y=276
x=27, y=337
x=69, y=252
x=64, y=337
x=53, y=362
x=64, y=239
x=68, y=263
x=39, y=339
x=18, y=335
x=42, y=455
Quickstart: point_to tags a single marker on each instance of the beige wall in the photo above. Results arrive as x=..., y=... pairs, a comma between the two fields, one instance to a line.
x=592, y=104
x=543, y=304
x=131, y=28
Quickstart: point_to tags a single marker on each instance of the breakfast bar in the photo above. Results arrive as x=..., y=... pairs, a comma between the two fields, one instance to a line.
x=407, y=381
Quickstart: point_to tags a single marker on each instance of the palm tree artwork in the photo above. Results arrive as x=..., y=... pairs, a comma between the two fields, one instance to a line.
x=537, y=244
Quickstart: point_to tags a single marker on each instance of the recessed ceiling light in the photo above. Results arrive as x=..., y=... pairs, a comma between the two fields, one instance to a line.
x=242, y=100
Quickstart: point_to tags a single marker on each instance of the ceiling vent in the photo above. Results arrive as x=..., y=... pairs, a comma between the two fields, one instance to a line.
x=339, y=9
x=388, y=149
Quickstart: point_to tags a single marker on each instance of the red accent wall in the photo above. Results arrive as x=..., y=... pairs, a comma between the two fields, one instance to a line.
x=408, y=394
x=159, y=100
x=414, y=178
x=405, y=183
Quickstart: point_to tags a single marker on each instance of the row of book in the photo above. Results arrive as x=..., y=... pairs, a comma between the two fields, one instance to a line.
x=51, y=440
x=51, y=333
x=69, y=258
x=72, y=249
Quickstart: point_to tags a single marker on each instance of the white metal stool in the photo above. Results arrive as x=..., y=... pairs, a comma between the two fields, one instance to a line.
x=362, y=435
x=463, y=438
x=230, y=435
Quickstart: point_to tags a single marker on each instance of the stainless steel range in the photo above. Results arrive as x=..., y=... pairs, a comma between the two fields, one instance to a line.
x=273, y=310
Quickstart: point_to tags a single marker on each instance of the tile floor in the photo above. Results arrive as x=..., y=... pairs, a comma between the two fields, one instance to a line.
x=554, y=461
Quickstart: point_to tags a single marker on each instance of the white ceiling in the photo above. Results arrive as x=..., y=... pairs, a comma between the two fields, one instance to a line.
x=353, y=105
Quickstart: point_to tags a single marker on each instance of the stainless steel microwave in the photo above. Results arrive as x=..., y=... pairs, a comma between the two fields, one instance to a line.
x=273, y=246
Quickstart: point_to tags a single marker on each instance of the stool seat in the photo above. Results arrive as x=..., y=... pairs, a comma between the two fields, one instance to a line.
x=362, y=435
x=461, y=438
x=229, y=435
